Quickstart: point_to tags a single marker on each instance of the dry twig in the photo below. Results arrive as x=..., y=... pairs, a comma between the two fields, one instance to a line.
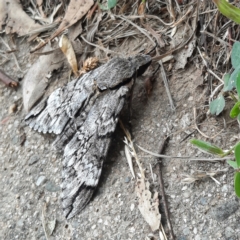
x=161, y=184
x=8, y=80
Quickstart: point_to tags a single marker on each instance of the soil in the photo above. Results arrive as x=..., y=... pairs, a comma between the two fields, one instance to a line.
x=30, y=169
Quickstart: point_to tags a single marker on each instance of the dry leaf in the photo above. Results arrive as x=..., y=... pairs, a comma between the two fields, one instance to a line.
x=141, y=8
x=148, y=205
x=76, y=10
x=128, y=155
x=15, y=19
x=69, y=53
x=88, y=65
x=35, y=81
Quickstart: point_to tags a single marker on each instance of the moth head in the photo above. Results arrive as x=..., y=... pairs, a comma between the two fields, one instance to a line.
x=141, y=62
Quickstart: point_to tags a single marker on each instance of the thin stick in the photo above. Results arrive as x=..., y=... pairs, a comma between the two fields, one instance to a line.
x=7, y=80
x=43, y=222
x=139, y=28
x=161, y=185
x=102, y=48
x=164, y=76
x=185, y=157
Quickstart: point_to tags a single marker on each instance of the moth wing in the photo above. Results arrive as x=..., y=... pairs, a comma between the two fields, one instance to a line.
x=52, y=114
x=85, y=153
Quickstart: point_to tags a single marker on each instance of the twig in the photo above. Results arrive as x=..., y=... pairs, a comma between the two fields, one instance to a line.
x=161, y=184
x=14, y=57
x=43, y=222
x=185, y=157
x=139, y=28
x=196, y=126
x=164, y=76
x=178, y=47
x=216, y=38
x=7, y=80
x=102, y=48
x=128, y=136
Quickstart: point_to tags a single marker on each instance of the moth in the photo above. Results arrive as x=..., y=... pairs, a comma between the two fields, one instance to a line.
x=84, y=114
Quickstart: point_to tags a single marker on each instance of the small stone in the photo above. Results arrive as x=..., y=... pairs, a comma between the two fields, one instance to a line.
x=127, y=179
x=132, y=207
x=41, y=180
x=186, y=231
x=229, y=232
x=15, y=140
x=33, y=159
x=20, y=224
x=197, y=237
x=225, y=188
x=52, y=187
x=203, y=201
x=12, y=108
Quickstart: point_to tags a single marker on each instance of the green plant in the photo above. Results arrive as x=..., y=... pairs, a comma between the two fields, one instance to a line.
x=228, y=10
x=209, y=148
x=231, y=81
x=110, y=4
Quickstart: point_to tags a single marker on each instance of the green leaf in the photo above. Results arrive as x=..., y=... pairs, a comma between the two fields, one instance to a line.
x=237, y=183
x=232, y=164
x=228, y=10
x=227, y=86
x=238, y=85
x=235, y=55
x=207, y=147
x=235, y=111
x=110, y=4
x=237, y=154
x=233, y=79
x=217, y=105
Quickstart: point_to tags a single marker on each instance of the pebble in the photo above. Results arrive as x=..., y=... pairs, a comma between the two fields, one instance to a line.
x=52, y=187
x=229, y=232
x=203, y=201
x=41, y=180
x=186, y=231
x=33, y=159
x=225, y=188
x=127, y=179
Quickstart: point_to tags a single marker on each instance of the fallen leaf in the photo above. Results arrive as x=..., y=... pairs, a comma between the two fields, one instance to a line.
x=15, y=19
x=148, y=205
x=36, y=81
x=75, y=30
x=66, y=47
x=141, y=8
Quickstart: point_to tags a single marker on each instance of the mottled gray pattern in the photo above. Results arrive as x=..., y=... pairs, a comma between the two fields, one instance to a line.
x=84, y=114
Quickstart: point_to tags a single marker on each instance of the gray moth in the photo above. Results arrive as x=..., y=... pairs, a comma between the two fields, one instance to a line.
x=84, y=114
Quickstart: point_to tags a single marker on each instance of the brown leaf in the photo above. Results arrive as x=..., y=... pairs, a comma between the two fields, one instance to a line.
x=148, y=205
x=69, y=53
x=36, y=79
x=141, y=8
x=15, y=19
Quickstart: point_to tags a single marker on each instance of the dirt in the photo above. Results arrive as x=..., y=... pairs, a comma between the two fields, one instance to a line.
x=31, y=170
